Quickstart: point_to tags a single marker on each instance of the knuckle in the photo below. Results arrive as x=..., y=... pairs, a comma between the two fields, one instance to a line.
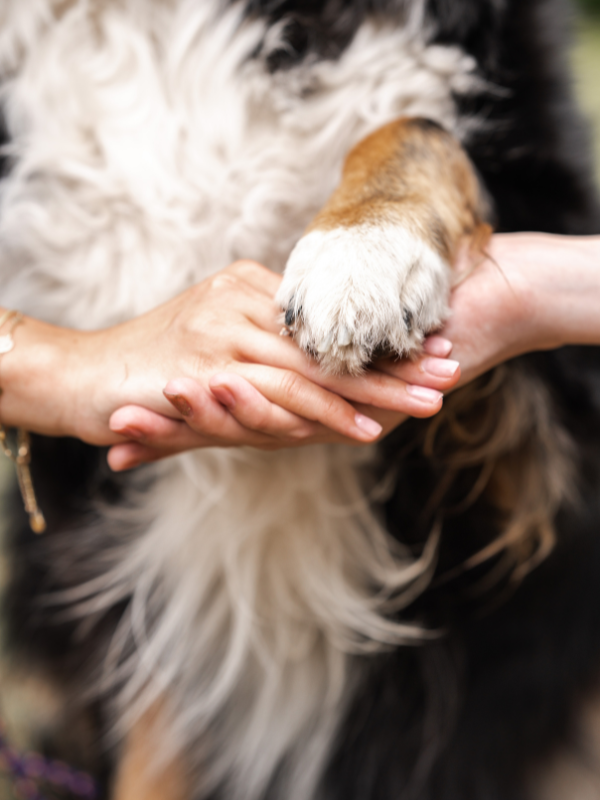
x=291, y=386
x=332, y=406
x=261, y=419
x=245, y=267
x=300, y=432
x=223, y=280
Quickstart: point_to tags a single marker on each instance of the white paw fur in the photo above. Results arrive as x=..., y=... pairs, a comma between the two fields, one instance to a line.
x=350, y=291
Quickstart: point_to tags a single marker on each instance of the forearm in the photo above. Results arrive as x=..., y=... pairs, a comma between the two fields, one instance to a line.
x=566, y=292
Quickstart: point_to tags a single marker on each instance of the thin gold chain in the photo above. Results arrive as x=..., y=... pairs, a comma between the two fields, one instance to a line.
x=22, y=457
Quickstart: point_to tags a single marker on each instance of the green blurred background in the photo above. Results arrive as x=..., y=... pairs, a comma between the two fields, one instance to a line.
x=26, y=705
x=586, y=64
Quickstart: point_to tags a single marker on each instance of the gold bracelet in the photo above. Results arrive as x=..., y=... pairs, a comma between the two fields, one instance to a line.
x=22, y=458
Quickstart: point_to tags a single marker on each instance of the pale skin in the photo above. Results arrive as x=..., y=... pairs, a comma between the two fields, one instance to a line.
x=217, y=340
x=231, y=380
x=534, y=292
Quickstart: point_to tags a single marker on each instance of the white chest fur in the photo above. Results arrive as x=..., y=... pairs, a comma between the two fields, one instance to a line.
x=151, y=151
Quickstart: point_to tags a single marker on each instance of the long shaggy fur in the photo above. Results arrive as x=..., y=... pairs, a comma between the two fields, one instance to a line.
x=162, y=163
x=150, y=145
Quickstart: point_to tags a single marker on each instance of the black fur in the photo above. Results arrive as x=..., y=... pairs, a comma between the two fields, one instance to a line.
x=321, y=28
x=470, y=716
x=473, y=717
x=3, y=142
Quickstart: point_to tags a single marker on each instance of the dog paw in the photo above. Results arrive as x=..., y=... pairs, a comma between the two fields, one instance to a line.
x=351, y=292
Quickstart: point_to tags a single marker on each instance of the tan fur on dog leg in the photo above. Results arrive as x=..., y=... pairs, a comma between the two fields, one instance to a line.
x=372, y=273
x=410, y=172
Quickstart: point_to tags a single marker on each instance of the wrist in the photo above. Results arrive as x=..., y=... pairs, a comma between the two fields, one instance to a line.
x=563, y=278
x=39, y=379
x=552, y=290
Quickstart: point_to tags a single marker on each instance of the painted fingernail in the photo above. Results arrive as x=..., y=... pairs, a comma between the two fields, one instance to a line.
x=224, y=396
x=440, y=367
x=367, y=425
x=131, y=432
x=424, y=394
x=437, y=346
x=180, y=403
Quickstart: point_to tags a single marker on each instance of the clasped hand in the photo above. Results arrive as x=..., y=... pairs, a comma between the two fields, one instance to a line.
x=209, y=369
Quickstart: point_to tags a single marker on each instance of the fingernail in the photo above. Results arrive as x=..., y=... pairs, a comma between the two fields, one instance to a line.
x=437, y=346
x=180, y=403
x=424, y=394
x=440, y=367
x=224, y=396
x=131, y=432
x=367, y=425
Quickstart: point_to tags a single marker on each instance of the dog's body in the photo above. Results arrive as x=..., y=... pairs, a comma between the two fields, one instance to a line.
x=272, y=610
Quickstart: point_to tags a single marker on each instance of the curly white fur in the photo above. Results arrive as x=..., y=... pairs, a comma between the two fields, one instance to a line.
x=150, y=151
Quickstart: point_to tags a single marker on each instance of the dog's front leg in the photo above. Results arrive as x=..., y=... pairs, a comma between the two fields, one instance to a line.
x=372, y=272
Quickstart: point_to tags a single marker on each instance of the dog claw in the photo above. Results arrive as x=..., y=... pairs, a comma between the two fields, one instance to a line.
x=408, y=319
x=290, y=316
x=325, y=345
x=344, y=336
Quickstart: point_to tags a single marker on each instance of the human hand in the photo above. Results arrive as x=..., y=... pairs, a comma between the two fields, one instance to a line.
x=234, y=408
x=535, y=292
x=66, y=382
x=280, y=395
